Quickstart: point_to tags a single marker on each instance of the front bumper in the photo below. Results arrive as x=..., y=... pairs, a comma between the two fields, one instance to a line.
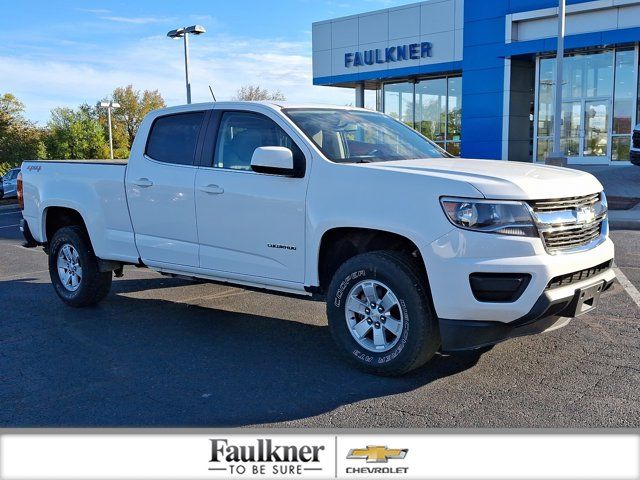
x=552, y=310
x=450, y=261
x=634, y=157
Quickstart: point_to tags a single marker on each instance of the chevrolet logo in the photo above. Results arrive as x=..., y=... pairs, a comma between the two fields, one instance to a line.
x=377, y=454
x=585, y=215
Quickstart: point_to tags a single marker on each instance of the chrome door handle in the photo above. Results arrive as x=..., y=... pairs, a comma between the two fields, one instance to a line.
x=143, y=182
x=212, y=189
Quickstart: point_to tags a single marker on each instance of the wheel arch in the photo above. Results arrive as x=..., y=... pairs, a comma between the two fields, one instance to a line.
x=339, y=244
x=57, y=217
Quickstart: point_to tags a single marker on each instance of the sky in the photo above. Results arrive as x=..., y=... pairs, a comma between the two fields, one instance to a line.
x=67, y=52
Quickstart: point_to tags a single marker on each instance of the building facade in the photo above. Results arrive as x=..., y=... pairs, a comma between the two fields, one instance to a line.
x=477, y=76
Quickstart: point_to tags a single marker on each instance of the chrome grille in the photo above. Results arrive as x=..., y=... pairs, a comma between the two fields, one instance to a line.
x=564, y=203
x=572, y=223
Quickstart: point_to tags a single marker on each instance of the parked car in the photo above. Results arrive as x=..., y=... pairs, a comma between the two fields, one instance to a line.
x=9, y=183
x=634, y=153
x=413, y=250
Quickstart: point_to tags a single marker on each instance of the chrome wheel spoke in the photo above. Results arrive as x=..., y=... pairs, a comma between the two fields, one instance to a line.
x=362, y=328
x=355, y=305
x=369, y=290
x=378, y=337
x=64, y=276
x=388, y=301
x=393, y=325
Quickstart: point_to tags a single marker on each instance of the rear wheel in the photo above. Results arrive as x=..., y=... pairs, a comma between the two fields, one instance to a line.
x=73, y=268
x=380, y=313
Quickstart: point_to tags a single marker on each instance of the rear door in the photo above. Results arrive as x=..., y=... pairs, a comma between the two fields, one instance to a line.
x=249, y=223
x=160, y=191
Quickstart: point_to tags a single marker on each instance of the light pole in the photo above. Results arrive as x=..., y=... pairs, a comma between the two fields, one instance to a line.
x=109, y=106
x=184, y=34
x=557, y=156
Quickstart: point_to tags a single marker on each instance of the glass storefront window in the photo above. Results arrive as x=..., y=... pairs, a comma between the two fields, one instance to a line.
x=624, y=91
x=598, y=104
x=545, y=97
x=398, y=101
x=431, y=108
x=620, y=148
x=435, y=110
x=454, y=110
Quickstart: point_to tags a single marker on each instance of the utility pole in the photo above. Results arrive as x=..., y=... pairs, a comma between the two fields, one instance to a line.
x=110, y=106
x=557, y=156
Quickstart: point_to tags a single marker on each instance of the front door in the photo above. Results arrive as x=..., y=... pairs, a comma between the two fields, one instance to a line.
x=586, y=131
x=596, y=140
x=250, y=224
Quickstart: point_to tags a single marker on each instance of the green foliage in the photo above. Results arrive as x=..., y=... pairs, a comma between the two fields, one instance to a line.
x=76, y=134
x=19, y=139
x=127, y=118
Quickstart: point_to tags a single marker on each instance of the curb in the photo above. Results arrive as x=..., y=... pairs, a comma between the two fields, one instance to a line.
x=624, y=224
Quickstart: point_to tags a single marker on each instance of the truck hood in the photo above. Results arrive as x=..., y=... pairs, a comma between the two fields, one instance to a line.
x=500, y=179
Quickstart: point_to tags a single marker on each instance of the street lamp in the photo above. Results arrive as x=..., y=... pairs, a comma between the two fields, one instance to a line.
x=184, y=33
x=109, y=106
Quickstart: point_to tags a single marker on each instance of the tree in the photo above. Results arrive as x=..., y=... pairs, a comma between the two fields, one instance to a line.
x=19, y=139
x=76, y=134
x=255, y=92
x=128, y=117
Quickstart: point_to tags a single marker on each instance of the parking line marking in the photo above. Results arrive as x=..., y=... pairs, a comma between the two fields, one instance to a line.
x=9, y=226
x=629, y=287
x=12, y=212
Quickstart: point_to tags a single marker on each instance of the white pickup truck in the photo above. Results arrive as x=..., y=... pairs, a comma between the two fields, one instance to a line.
x=415, y=251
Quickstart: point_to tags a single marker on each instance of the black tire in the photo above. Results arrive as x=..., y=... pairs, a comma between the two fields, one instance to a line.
x=94, y=285
x=419, y=339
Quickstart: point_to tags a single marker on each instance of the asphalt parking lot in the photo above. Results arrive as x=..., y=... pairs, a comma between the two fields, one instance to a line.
x=165, y=352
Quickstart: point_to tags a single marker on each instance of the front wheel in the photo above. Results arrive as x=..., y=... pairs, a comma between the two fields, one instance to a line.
x=73, y=268
x=380, y=313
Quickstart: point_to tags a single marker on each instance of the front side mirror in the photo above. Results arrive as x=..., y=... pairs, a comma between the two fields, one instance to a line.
x=274, y=160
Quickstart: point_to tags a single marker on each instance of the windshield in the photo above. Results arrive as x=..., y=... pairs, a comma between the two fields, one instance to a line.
x=357, y=136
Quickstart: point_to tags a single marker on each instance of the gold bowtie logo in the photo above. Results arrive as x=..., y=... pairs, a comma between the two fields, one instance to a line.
x=377, y=454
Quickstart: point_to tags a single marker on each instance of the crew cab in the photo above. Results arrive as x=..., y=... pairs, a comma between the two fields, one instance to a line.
x=414, y=251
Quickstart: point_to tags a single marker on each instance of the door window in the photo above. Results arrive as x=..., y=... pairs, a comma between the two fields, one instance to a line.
x=241, y=133
x=173, y=138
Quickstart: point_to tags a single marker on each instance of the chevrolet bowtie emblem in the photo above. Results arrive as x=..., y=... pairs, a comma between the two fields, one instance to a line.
x=377, y=454
x=585, y=215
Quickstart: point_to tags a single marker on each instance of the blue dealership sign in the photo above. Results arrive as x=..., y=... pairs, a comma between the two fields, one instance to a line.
x=412, y=51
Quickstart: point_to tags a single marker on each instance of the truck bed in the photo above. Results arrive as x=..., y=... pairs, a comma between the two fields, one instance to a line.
x=93, y=188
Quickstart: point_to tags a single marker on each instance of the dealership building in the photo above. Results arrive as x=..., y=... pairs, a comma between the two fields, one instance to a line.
x=477, y=76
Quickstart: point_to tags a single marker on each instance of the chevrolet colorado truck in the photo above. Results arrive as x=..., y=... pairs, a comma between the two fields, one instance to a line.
x=415, y=251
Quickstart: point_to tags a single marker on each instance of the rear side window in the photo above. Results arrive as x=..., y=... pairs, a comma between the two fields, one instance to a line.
x=173, y=138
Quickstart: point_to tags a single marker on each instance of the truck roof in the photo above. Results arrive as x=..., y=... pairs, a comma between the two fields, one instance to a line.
x=273, y=104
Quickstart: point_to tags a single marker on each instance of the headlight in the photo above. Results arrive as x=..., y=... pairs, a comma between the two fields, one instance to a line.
x=490, y=216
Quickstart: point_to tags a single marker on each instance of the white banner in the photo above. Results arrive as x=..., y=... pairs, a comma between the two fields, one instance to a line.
x=269, y=456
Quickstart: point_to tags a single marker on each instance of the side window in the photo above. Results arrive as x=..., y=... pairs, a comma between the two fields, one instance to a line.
x=241, y=133
x=173, y=138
